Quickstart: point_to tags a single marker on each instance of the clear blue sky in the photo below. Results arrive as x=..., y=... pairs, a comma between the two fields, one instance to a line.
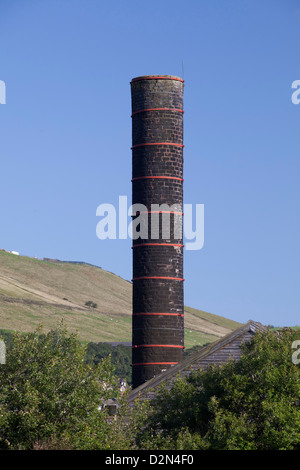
x=65, y=137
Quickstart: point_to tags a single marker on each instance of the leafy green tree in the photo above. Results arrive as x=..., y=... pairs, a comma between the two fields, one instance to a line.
x=120, y=358
x=50, y=397
x=250, y=404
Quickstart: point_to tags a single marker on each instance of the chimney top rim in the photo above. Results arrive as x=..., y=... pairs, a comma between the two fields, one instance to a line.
x=157, y=77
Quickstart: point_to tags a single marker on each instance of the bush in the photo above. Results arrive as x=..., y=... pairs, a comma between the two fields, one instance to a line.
x=120, y=358
x=252, y=404
x=91, y=304
x=50, y=396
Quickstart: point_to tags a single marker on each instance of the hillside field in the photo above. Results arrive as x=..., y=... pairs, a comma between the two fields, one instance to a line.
x=35, y=292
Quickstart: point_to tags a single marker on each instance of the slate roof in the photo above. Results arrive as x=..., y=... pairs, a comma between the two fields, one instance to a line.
x=212, y=353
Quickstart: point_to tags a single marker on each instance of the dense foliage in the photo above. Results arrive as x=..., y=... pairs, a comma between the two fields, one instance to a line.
x=120, y=358
x=250, y=404
x=50, y=397
x=120, y=355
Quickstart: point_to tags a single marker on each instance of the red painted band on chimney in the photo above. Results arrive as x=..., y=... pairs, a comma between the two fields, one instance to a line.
x=155, y=212
x=157, y=143
x=158, y=277
x=160, y=212
x=153, y=363
x=137, y=79
x=157, y=244
x=166, y=314
x=157, y=177
x=158, y=109
x=157, y=346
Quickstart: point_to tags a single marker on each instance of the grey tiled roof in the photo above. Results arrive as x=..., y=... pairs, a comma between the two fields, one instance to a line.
x=186, y=365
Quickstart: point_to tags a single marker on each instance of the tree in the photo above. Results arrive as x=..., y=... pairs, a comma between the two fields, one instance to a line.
x=250, y=404
x=120, y=358
x=91, y=304
x=49, y=395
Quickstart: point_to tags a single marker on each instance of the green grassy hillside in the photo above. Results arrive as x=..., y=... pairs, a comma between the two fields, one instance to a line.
x=34, y=292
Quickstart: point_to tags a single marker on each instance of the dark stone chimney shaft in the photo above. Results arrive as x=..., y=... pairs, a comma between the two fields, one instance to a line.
x=157, y=178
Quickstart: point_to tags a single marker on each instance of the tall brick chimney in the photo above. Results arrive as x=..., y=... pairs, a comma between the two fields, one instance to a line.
x=157, y=178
